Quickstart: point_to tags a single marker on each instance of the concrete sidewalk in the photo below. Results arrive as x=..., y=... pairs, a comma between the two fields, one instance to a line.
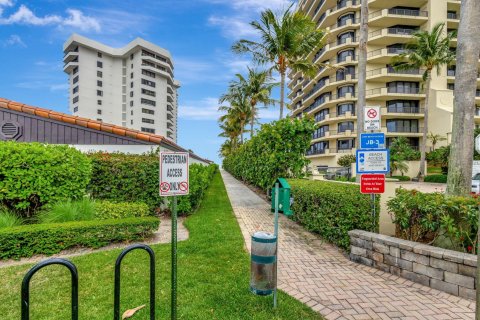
x=319, y=275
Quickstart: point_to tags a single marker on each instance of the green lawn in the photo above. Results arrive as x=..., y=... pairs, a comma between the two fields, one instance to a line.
x=434, y=170
x=213, y=277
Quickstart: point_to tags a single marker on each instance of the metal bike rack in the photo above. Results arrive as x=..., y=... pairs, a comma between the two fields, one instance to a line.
x=117, y=279
x=26, y=286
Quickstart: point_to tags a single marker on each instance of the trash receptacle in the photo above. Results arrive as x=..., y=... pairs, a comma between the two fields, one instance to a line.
x=284, y=197
x=263, y=279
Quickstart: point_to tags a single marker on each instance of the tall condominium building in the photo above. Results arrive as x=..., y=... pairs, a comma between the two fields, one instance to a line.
x=331, y=96
x=132, y=86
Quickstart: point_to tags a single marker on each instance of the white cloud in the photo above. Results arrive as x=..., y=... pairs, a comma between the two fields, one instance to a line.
x=14, y=40
x=256, y=5
x=235, y=27
x=75, y=18
x=205, y=109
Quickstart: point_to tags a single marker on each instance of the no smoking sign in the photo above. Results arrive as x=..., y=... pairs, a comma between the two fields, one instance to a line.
x=372, y=120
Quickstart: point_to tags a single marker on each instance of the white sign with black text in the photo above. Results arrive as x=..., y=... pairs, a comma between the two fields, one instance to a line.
x=174, y=173
x=371, y=119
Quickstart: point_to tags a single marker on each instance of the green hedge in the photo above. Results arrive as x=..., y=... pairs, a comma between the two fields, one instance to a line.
x=331, y=209
x=110, y=210
x=35, y=174
x=121, y=177
x=401, y=178
x=449, y=222
x=437, y=178
x=27, y=240
x=277, y=150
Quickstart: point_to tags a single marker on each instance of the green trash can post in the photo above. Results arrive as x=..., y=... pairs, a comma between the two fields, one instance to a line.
x=283, y=197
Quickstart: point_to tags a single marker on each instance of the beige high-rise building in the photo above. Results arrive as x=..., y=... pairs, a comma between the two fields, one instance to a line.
x=330, y=97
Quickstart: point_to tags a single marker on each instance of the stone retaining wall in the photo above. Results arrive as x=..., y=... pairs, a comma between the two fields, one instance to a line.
x=446, y=270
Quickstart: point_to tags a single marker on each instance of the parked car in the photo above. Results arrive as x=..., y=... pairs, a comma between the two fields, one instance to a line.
x=476, y=184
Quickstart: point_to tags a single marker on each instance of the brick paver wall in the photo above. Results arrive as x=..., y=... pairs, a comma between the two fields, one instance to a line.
x=446, y=270
x=322, y=277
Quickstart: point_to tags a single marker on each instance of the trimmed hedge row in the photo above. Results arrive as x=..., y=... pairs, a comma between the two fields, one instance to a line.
x=277, y=150
x=27, y=240
x=110, y=210
x=436, y=178
x=35, y=174
x=331, y=209
x=134, y=178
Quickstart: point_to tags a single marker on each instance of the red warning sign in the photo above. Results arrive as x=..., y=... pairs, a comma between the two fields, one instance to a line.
x=372, y=183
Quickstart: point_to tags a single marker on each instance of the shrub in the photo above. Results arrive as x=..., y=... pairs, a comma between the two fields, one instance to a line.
x=68, y=211
x=332, y=209
x=437, y=178
x=9, y=219
x=109, y=210
x=121, y=177
x=27, y=240
x=277, y=150
x=346, y=160
x=35, y=174
x=426, y=217
x=401, y=178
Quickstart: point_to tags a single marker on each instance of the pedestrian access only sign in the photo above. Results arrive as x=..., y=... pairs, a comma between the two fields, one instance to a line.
x=174, y=173
x=373, y=161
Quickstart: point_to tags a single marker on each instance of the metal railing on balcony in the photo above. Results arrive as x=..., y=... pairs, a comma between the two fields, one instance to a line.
x=408, y=12
x=452, y=15
x=404, y=129
x=316, y=151
x=395, y=109
x=406, y=90
x=317, y=135
x=401, y=31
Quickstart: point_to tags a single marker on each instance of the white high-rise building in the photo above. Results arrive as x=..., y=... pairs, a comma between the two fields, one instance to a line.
x=132, y=86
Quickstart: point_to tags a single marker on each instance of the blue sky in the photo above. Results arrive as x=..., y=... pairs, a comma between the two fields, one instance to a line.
x=198, y=33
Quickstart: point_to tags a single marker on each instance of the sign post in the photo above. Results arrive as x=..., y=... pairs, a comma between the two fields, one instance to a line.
x=174, y=182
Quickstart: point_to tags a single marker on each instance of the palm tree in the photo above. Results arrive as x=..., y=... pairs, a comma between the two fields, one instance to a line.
x=435, y=138
x=461, y=155
x=256, y=89
x=239, y=110
x=429, y=51
x=230, y=130
x=286, y=41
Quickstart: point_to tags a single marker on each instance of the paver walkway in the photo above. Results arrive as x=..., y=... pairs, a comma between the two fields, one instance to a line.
x=319, y=275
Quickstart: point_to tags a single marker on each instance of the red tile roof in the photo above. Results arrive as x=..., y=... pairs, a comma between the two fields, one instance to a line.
x=92, y=124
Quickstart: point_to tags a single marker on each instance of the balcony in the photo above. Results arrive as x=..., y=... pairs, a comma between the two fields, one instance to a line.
x=389, y=74
x=400, y=129
x=397, y=16
x=384, y=94
x=389, y=36
x=409, y=110
x=70, y=56
x=70, y=66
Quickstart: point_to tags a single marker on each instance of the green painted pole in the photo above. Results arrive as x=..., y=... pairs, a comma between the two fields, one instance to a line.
x=174, y=259
x=276, y=236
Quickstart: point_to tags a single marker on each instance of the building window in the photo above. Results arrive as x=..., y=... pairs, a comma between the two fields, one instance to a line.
x=131, y=75
x=146, y=120
x=320, y=116
x=99, y=120
x=99, y=111
x=403, y=87
x=400, y=125
x=148, y=73
x=131, y=84
x=75, y=70
x=148, y=102
x=131, y=112
x=99, y=64
x=345, y=144
x=75, y=90
x=343, y=38
x=343, y=108
x=148, y=92
x=318, y=148
x=320, y=132
x=99, y=54
x=75, y=109
x=147, y=111
x=148, y=130
x=75, y=99
x=131, y=121
x=99, y=74
x=148, y=83
x=99, y=83
x=343, y=20
x=99, y=93
x=403, y=106
x=131, y=93
x=131, y=56
x=75, y=80
x=343, y=72
x=99, y=102
x=343, y=55
x=131, y=103
x=342, y=91
x=344, y=126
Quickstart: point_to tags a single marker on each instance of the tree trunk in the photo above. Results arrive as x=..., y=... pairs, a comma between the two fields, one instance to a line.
x=423, y=151
x=252, y=121
x=282, y=92
x=241, y=133
x=362, y=72
x=461, y=152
